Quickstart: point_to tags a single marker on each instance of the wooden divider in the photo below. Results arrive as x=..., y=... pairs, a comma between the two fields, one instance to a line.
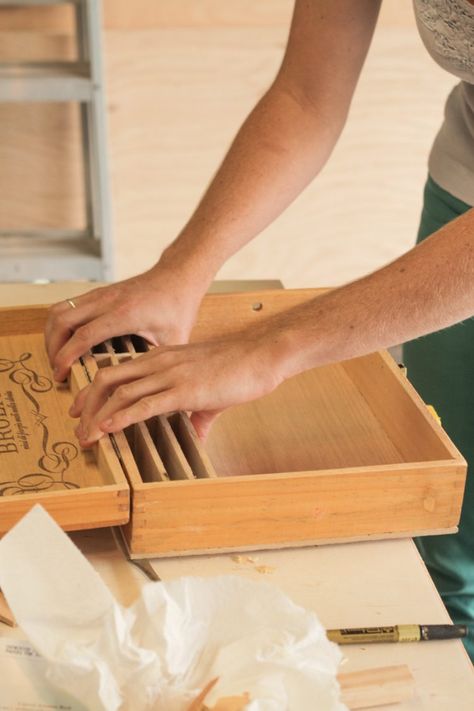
x=167, y=445
x=149, y=463
x=191, y=445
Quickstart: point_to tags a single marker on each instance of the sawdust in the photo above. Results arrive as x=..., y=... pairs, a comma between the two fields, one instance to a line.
x=244, y=559
x=251, y=560
x=265, y=569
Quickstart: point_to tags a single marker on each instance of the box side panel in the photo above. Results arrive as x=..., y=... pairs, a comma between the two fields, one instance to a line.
x=74, y=510
x=400, y=410
x=18, y=320
x=297, y=508
x=222, y=314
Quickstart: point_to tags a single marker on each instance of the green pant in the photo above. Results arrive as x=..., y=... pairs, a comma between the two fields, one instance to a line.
x=441, y=367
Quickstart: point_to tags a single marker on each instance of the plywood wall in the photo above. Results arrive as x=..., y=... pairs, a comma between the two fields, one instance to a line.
x=142, y=14
x=181, y=76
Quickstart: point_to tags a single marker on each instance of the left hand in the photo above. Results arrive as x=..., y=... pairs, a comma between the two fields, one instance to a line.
x=204, y=378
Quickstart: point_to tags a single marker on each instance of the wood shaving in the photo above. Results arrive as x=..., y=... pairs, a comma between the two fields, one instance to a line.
x=249, y=560
x=6, y=615
x=229, y=703
x=198, y=703
x=265, y=569
x=244, y=559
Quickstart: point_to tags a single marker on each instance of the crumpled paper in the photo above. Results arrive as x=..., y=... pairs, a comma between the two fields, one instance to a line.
x=178, y=636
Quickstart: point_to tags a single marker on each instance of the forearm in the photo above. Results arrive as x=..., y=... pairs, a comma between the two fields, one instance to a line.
x=429, y=288
x=281, y=146
x=286, y=139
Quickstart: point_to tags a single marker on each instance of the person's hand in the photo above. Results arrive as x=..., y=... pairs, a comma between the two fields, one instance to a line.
x=155, y=305
x=204, y=378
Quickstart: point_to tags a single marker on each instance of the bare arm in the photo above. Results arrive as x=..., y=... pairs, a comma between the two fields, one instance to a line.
x=428, y=288
x=281, y=146
x=287, y=138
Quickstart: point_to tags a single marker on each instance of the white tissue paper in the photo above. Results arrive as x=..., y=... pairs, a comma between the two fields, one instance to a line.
x=178, y=636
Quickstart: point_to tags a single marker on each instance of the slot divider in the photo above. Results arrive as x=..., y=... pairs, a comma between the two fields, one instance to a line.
x=149, y=462
x=168, y=446
x=192, y=446
x=128, y=343
x=102, y=359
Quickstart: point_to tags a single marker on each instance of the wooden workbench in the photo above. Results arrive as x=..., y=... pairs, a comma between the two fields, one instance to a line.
x=347, y=585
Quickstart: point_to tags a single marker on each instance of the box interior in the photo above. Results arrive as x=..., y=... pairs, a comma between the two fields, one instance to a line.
x=324, y=419
x=358, y=413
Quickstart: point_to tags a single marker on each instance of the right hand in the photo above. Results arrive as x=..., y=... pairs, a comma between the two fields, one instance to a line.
x=154, y=305
x=202, y=378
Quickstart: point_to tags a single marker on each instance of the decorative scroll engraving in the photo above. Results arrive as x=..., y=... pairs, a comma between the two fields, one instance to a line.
x=57, y=456
x=25, y=376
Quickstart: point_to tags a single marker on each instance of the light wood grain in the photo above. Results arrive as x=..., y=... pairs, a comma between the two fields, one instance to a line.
x=315, y=421
x=379, y=378
x=20, y=320
x=296, y=508
x=359, y=690
x=224, y=314
x=376, y=687
x=40, y=459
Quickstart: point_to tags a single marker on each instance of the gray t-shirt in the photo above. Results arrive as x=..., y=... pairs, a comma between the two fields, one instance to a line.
x=447, y=30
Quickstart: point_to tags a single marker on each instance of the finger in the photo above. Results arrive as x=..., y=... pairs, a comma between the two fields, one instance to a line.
x=203, y=421
x=85, y=303
x=89, y=400
x=105, y=382
x=62, y=321
x=78, y=403
x=125, y=395
x=87, y=335
x=157, y=404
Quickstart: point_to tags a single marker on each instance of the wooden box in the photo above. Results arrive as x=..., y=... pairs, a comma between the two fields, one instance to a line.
x=344, y=452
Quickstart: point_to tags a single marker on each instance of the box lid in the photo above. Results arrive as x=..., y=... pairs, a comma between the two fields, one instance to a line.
x=40, y=459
